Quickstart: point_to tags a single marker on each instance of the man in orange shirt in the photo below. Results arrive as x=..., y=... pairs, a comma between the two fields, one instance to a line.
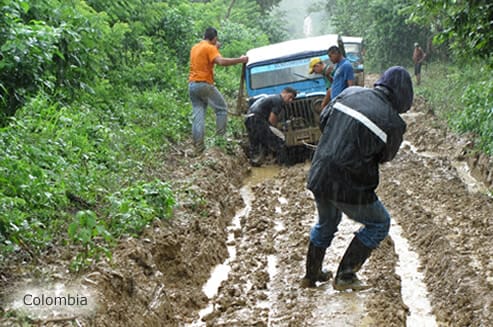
x=203, y=56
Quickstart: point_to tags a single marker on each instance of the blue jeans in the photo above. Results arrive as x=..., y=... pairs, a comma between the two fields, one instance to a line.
x=201, y=95
x=373, y=216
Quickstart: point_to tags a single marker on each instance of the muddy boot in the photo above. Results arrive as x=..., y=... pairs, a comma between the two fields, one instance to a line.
x=314, y=272
x=282, y=155
x=356, y=254
x=257, y=156
x=198, y=149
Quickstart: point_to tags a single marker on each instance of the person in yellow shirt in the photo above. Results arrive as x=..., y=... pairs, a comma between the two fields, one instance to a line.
x=203, y=56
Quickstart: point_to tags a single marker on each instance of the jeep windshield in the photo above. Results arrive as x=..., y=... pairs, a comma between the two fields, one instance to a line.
x=271, y=68
x=286, y=72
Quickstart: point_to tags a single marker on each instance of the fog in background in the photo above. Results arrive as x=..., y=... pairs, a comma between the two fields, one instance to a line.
x=304, y=18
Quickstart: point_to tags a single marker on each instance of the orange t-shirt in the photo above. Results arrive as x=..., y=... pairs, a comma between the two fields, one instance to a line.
x=202, y=57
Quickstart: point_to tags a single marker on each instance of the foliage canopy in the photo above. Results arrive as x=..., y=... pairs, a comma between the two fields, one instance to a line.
x=92, y=92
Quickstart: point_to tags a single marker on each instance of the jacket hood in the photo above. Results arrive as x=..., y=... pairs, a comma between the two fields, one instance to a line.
x=398, y=81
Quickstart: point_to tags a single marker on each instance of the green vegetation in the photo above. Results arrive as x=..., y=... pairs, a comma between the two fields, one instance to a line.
x=464, y=25
x=94, y=92
x=464, y=97
x=458, y=39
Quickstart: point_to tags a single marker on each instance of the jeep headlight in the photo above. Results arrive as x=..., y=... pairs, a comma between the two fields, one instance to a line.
x=317, y=106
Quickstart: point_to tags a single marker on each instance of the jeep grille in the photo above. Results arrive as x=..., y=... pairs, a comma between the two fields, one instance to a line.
x=300, y=119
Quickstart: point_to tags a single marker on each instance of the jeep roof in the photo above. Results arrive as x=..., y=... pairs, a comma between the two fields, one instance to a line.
x=352, y=39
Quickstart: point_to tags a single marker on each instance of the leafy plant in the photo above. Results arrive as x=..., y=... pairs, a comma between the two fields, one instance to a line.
x=85, y=230
x=476, y=115
x=465, y=25
x=135, y=207
x=92, y=95
x=468, y=108
x=389, y=38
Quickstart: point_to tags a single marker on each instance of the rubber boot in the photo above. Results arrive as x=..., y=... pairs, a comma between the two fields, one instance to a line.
x=282, y=156
x=199, y=148
x=355, y=256
x=314, y=272
x=257, y=155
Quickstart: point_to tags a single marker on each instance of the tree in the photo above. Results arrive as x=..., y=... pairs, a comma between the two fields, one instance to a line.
x=466, y=25
x=266, y=5
x=388, y=37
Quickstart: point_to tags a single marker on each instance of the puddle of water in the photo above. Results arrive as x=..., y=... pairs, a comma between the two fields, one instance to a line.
x=348, y=308
x=282, y=200
x=220, y=272
x=272, y=270
x=279, y=226
x=462, y=168
x=260, y=174
x=334, y=308
x=413, y=289
x=472, y=184
x=413, y=114
x=426, y=154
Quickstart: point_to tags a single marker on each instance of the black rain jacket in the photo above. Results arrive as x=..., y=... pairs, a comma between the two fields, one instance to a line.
x=345, y=164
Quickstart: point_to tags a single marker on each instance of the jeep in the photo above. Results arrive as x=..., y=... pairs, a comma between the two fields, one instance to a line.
x=273, y=67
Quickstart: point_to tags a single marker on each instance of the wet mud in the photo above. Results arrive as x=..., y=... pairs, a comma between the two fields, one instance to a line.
x=254, y=223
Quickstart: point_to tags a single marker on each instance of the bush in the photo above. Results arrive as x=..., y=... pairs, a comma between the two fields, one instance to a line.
x=476, y=114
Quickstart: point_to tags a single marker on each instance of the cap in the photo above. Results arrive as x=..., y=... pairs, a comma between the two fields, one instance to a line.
x=313, y=62
x=416, y=44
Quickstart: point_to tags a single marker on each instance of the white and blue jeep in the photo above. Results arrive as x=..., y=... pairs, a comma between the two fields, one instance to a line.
x=273, y=67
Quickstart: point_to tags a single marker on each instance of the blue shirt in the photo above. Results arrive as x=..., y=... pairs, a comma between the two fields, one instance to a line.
x=343, y=73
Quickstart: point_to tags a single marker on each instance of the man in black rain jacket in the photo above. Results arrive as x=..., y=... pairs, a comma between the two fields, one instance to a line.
x=361, y=129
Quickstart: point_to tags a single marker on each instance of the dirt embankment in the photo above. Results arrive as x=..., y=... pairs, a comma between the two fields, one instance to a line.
x=157, y=280
x=160, y=276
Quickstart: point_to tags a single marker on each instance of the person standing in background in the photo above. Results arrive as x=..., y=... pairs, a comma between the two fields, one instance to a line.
x=418, y=56
x=203, y=56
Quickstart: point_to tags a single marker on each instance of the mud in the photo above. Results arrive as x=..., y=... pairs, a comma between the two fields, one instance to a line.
x=158, y=279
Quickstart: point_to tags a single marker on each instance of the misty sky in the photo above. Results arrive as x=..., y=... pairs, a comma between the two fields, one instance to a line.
x=296, y=12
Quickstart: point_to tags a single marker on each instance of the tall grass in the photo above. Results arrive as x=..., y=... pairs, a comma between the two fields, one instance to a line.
x=463, y=95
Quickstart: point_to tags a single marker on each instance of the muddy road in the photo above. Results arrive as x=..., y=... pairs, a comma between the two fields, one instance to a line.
x=235, y=253
x=433, y=270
